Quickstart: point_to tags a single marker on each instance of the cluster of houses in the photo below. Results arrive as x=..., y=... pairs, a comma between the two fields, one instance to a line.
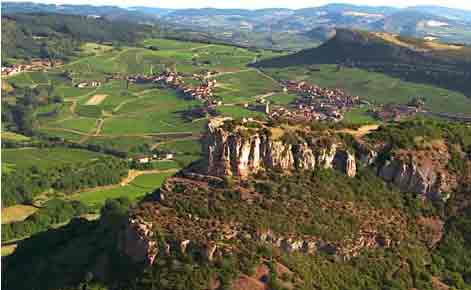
x=203, y=92
x=167, y=78
x=35, y=65
x=144, y=159
x=88, y=84
x=395, y=112
x=315, y=103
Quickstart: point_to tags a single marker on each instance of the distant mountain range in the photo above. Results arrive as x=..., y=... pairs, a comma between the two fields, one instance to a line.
x=275, y=27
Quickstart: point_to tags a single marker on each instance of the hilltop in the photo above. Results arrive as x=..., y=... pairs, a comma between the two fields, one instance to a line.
x=317, y=207
x=444, y=65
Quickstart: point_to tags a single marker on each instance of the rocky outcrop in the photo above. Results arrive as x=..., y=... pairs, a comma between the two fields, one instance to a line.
x=242, y=152
x=138, y=242
x=427, y=176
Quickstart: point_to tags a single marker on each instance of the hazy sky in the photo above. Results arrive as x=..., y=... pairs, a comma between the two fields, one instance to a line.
x=255, y=4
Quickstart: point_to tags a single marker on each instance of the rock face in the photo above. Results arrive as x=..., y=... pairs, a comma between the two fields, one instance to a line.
x=423, y=176
x=138, y=242
x=240, y=153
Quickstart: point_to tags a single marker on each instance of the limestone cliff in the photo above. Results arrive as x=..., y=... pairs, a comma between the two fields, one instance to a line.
x=242, y=151
x=422, y=172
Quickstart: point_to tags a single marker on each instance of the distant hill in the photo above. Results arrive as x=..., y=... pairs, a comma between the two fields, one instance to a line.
x=280, y=28
x=107, y=12
x=456, y=14
x=444, y=65
x=49, y=35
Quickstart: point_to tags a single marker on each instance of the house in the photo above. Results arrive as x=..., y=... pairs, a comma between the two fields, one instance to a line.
x=169, y=156
x=142, y=159
x=82, y=85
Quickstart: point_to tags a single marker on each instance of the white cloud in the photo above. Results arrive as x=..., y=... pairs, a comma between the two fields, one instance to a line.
x=252, y=4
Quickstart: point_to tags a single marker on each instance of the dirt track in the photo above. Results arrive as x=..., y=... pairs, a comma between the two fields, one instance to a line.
x=360, y=132
x=96, y=100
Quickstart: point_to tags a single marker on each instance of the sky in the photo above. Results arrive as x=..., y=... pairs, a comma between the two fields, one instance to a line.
x=256, y=4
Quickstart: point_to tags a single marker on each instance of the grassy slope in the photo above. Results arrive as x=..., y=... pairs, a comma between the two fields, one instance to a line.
x=378, y=87
x=139, y=187
x=244, y=86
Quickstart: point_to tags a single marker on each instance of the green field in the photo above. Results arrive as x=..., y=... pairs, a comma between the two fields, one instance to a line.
x=377, y=87
x=192, y=147
x=187, y=151
x=83, y=125
x=359, y=116
x=66, y=135
x=238, y=112
x=150, y=123
x=32, y=79
x=244, y=86
x=157, y=111
x=141, y=186
x=89, y=111
x=133, y=111
x=122, y=143
x=168, y=44
x=282, y=99
x=45, y=158
x=165, y=165
x=71, y=91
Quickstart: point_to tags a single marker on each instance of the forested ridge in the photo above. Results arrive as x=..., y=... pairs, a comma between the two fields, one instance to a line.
x=58, y=36
x=22, y=185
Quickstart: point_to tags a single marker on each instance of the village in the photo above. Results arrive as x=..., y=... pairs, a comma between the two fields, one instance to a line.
x=202, y=92
x=314, y=103
x=35, y=65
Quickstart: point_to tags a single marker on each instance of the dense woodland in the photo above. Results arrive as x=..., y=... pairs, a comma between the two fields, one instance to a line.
x=22, y=185
x=82, y=244
x=51, y=213
x=58, y=36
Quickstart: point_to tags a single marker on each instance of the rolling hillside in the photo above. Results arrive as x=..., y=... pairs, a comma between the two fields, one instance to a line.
x=279, y=28
x=415, y=60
